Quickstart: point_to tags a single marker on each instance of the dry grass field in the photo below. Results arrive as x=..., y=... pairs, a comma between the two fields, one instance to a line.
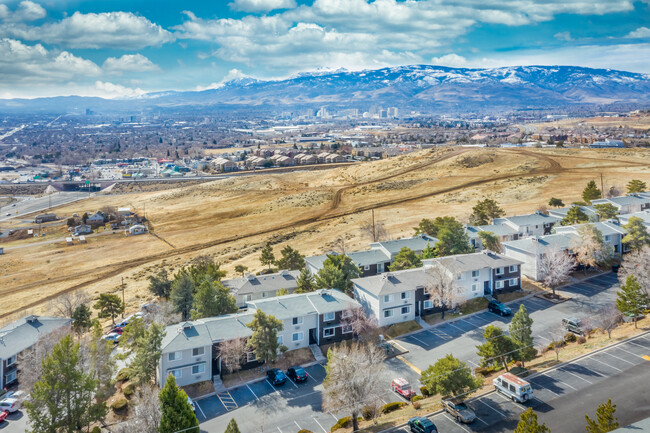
x=232, y=219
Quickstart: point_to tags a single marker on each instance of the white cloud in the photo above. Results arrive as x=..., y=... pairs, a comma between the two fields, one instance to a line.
x=111, y=90
x=641, y=32
x=129, y=63
x=26, y=11
x=452, y=60
x=261, y=5
x=563, y=36
x=233, y=74
x=103, y=30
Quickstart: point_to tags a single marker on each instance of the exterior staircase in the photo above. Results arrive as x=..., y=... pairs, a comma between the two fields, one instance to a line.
x=218, y=384
x=318, y=354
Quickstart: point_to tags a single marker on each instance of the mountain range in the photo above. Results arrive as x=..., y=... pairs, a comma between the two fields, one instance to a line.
x=423, y=88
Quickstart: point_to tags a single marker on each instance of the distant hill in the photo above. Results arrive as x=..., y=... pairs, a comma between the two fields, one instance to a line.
x=419, y=87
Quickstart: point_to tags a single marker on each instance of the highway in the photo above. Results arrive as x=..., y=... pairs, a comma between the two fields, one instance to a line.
x=39, y=204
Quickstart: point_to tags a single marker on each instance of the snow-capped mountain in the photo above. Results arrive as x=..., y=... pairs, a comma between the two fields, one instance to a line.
x=422, y=87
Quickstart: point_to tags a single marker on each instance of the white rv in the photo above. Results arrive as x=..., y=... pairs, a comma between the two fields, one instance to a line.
x=514, y=387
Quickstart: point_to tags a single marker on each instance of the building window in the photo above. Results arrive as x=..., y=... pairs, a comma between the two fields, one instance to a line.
x=499, y=271
x=346, y=313
x=280, y=339
x=475, y=274
x=296, y=320
x=11, y=360
x=499, y=284
x=428, y=304
x=250, y=356
x=198, y=351
x=406, y=310
x=263, y=294
x=366, y=268
x=346, y=329
x=405, y=295
x=388, y=298
x=329, y=332
x=296, y=336
x=388, y=313
x=178, y=373
x=380, y=268
x=247, y=298
x=474, y=287
x=198, y=369
x=513, y=282
x=175, y=356
x=513, y=268
x=10, y=377
x=328, y=317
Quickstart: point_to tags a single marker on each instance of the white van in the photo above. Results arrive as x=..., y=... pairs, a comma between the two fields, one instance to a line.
x=514, y=387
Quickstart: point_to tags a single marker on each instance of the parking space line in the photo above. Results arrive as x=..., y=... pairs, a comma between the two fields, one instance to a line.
x=637, y=344
x=627, y=351
x=299, y=428
x=322, y=428
x=535, y=302
x=251, y=390
x=497, y=411
x=473, y=363
x=604, y=363
x=332, y=415
x=417, y=339
x=228, y=399
x=543, y=338
x=580, y=377
x=482, y=421
x=278, y=429
x=273, y=387
x=546, y=388
x=511, y=401
x=621, y=359
x=454, y=421
x=460, y=329
x=196, y=403
x=292, y=382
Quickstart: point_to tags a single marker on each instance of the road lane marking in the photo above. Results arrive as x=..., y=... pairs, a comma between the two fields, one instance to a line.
x=324, y=431
x=251, y=390
x=299, y=428
x=454, y=421
x=409, y=364
x=196, y=403
x=604, y=363
x=497, y=411
x=278, y=429
x=621, y=359
x=646, y=357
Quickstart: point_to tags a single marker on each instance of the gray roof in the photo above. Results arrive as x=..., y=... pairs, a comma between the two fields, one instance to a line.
x=644, y=215
x=25, y=332
x=496, y=229
x=624, y=200
x=392, y=282
x=536, y=245
x=416, y=243
x=360, y=258
x=263, y=283
x=562, y=211
x=527, y=220
x=303, y=304
x=470, y=262
x=606, y=228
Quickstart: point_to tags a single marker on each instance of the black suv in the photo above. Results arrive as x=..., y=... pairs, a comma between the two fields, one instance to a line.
x=420, y=424
x=499, y=308
x=276, y=376
x=297, y=374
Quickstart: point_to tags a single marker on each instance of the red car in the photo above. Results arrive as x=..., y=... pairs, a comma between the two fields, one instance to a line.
x=3, y=415
x=403, y=388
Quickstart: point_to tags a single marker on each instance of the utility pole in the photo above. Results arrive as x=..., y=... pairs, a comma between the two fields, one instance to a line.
x=123, y=302
x=602, y=185
x=374, y=231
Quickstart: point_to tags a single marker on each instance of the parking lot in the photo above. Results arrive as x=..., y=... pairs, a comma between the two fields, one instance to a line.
x=496, y=413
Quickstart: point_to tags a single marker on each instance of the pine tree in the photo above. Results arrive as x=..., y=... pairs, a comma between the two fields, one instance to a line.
x=448, y=377
x=575, y=215
x=631, y=298
x=490, y=241
x=81, y=319
x=213, y=299
x=264, y=340
x=528, y=423
x=636, y=185
x=337, y=273
x=555, y=202
x=485, y=211
x=428, y=252
x=606, y=211
x=452, y=238
x=232, y=427
x=591, y=192
x=147, y=353
x=109, y=306
x=405, y=259
x=176, y=412
x=637, y=234
x=291, y=259
x=498, y=347
x=521, y=333
x=605, y=419
x=267, y=257
x=241, y=269
x=182, y=294
x=159, y=284
x=305, y=281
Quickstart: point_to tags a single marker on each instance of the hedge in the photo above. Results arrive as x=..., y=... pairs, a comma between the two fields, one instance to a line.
x=390, y=407
x=344, y=422
x=417, y=398
x=369, y=412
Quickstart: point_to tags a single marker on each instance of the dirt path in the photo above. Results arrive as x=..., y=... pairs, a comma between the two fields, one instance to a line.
x=108, y=271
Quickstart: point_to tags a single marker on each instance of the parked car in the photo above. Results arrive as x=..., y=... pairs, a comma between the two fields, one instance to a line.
x=297, y=374
x=420, y=424
x=3, y=415
x=514, y=387
x=276, y=376
x=629, y=317
x=191, y=403
x=403, y=388
x=459, y=410
x=499, y=308
x=10, y=405
x=18, y=395
x=572, y=324
x=116, y=330
x=113, y=336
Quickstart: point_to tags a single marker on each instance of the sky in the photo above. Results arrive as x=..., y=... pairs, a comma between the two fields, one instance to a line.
x=120, y=48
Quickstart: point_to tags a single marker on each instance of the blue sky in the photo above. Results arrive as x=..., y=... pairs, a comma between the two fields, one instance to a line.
x=115, y=48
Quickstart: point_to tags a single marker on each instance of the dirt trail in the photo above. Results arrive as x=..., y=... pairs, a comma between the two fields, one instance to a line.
x=108, y=271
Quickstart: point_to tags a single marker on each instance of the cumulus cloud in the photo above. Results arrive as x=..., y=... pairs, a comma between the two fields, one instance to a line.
x=641, y=32
x=261, y=5
x=111, y=90
x=26, y=11
x=129, y=63
x=122, y=30
x=452, y=60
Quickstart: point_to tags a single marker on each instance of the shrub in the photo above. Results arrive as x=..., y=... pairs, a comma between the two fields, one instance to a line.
x=390, y=407
x=582, y=340
x=128, y=390
x=344, y=422
x=119, y=404
x=417, y=398
x=425, y=391
x=96, y=429
x=369, y=412
x=124, y=374
x=483, y=371
x=305, y=431
x=570, y=337
x=416, y=405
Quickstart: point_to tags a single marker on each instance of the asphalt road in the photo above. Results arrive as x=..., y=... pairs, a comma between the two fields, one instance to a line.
x=40, y=204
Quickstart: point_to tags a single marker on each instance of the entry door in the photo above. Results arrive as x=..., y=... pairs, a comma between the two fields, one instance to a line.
x=312, y=336
x=486, y=288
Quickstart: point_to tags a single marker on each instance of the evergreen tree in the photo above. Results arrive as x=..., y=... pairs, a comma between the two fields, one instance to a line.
x=267, y=257
x=631, y=298
x=448, y=377
x=147, y=353
x=431, y=228
x=428, y=252
x=521, y=334
x=606, y=211
x=555, y=202
x=232, y=427
x=63, y=399
x=575, y=215
x=605, y=419
x=264, y=340
x=405, y=259
x=305, y=281
x=291, y=259
x=159, y=284
x=102, y=364
x=490, y=241
x=485, y=211
x=176, y=412
x=182, y=294
x=81, y=319
x=241, y=269
x=498, y=347
x=330, y=277
x=637, y=234
x=204, y=267
x=452, y=239
x=213, y=299
x=337, y=273
x=636, y=185
x=131, y=333
x=109, y=305
x=591, y=192
x=528, y=423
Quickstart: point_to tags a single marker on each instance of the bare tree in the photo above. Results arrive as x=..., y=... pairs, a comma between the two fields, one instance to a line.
x=232, y=353
x=355, y=379
x=637, y=263
x=590, y=248
x=556, y=267
x=339, y=245
x=32, y=358
x=607, y=319
x=163, y=312
x=65, y=304
x=542, y=208
x=613, y=191
x=557, y=342
x=363, y=327
x=376, y=230
x=147, y=410
x=440, y=284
